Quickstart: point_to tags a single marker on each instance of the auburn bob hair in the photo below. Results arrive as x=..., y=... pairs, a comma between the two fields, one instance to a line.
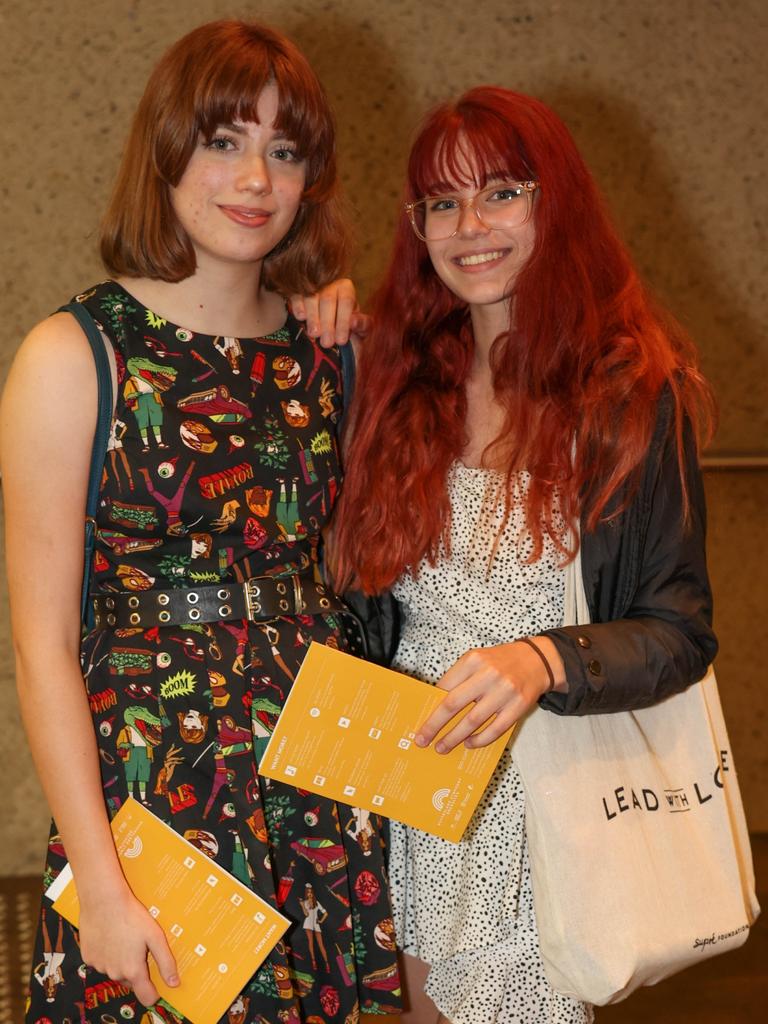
x=214, y=76
x=579, y=371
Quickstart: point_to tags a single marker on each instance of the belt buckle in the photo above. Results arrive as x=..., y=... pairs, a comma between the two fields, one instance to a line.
x=298, y=596
x=252, y=592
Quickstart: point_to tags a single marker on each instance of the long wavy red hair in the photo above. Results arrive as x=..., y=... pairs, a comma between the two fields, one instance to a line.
x=579, y=372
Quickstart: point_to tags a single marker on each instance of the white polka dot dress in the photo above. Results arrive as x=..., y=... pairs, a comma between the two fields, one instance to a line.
x=466, y=908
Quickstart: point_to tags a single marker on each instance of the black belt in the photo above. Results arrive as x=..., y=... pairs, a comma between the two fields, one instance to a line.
x=259, y=598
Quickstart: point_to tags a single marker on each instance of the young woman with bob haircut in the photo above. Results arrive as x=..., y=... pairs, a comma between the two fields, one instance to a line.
x=226, y=414
x=520, y=396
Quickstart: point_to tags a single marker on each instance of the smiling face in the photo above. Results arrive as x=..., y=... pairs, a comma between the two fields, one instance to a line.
x=480, y=264
x=242, y=188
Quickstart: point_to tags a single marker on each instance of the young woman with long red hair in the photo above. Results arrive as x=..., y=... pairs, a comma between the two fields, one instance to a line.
x=204, y=593
x=520, y=396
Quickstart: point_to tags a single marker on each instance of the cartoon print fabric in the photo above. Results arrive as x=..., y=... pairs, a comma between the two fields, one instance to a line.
x=222, y=464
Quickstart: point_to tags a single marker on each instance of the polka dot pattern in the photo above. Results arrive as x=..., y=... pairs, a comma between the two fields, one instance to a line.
x=467, y=908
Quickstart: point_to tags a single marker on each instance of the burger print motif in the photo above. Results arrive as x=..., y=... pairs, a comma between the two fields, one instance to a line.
x=223, y=464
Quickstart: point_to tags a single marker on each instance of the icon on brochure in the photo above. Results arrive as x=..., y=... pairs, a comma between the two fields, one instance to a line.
x=212, y=880
x=374, y=733
x=377, y=800
x=154, y=911
x=404, y=743
x=314, y=712
x=189, y=862
x=235, y=899
x=319, y=780
x=200, y=949
x=439, y=797
x=134, y=850
x=223, y=968
x=290, y=769
x=344, y=723
x=259, y=918
x=350, y=790
x=177, y=930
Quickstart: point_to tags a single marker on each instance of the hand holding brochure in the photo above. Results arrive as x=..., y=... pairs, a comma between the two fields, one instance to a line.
x=218, y=929
x=346, y=732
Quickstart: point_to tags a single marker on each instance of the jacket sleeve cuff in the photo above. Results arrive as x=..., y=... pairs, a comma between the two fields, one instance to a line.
x=585, y=671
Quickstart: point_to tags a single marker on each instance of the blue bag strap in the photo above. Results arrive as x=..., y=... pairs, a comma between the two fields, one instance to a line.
x=348, y=372
x=100, y=441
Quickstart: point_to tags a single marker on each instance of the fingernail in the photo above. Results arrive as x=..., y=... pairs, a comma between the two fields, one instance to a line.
x=313, y=329
x=440, y=747
x=420, y=740
x=173, y=980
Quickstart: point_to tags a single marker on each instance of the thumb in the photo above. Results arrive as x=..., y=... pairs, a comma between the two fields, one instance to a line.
x=360, y=324
x=164, y=959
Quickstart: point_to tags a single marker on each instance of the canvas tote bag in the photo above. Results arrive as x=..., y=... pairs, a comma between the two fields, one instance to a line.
x=640, y=856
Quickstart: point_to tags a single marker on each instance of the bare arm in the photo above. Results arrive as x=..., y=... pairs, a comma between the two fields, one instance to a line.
x=47, y=421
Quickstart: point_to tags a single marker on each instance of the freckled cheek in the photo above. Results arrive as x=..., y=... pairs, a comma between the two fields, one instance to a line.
x=289, y=197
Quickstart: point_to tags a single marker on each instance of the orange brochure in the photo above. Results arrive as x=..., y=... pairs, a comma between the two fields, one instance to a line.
x=218, y=930
x=346, y=732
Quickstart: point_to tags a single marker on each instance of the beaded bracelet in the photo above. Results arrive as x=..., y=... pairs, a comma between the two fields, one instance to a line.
x=547, y=666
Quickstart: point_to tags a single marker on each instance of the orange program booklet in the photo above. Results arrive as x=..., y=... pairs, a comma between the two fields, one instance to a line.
x=218, y=929
x=346, y=732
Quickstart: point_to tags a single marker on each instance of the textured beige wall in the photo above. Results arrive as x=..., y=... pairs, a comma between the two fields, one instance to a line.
x=665, y=99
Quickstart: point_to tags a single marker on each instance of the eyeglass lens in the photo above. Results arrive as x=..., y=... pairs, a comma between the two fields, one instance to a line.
x=504, y=205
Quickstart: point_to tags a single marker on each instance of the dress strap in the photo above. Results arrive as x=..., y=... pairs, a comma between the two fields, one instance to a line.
x=99, y=449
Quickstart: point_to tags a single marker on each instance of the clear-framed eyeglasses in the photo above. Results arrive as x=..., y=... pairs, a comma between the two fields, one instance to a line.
x=505, y=204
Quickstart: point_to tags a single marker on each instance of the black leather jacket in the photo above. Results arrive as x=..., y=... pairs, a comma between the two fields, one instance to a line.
x=646, y=583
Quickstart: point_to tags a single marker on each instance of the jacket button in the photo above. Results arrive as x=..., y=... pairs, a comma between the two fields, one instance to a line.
x=595, y=667
x=584, y=641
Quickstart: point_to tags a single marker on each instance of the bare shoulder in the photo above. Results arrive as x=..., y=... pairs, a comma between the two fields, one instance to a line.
x=51, y=388
x=54, y=343
x=55, y=355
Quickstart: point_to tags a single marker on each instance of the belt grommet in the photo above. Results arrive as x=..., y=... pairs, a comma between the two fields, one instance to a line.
x=194, y=614
x=111, y=620
x=283, y=606
x=222, y=594
x=324, y=602
x=134, y=618
x=281, y=588
x=225, y=610
x=163, y=599
x=193, y=597
x=97, y=620
x=256, y=606
x=133, y=601
x=164, y=616
x=109, y=602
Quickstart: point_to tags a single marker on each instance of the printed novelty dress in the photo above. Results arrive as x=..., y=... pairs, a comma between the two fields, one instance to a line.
x=222, y=464
x=466, y=908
